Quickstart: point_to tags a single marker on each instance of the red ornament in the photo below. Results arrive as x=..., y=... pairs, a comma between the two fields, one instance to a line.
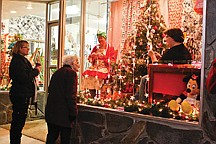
x=106, y=105
x=198, y=7
x=163, y=35
x=155, y=27
x=159, y=45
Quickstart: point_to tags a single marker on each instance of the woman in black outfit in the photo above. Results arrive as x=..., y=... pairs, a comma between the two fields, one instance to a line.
x=176, y=53
x=23, y=88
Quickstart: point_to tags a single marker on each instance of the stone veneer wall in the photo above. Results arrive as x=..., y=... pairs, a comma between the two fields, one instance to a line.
x=98, y=125
x=6, y=107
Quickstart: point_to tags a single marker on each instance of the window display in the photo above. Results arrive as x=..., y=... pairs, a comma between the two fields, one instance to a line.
x=132, y=27
x=142, y=30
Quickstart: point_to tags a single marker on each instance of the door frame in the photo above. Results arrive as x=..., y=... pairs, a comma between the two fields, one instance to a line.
x=61, y=38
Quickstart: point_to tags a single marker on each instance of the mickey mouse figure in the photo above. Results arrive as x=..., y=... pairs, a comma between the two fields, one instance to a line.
x=190, y=98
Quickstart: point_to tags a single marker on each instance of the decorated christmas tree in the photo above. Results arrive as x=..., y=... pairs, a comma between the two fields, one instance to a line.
x=150, y=26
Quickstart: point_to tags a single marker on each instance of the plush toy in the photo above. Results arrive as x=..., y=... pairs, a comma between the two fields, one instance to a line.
x=188, y=101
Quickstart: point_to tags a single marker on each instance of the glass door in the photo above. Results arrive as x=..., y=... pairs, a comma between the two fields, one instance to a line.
x=52, y=57
x=52, y=40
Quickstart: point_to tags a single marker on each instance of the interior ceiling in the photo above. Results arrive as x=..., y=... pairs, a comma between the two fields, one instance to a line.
x=44, y=1
x=38, y=8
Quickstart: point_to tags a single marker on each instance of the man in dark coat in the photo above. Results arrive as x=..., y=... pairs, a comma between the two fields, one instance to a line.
x=61, y=107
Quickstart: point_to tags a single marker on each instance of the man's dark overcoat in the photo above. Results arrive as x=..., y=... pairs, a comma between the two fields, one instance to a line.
x=61, y=108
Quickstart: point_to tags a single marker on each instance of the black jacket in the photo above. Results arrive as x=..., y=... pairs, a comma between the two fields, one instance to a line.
x=22, y=75
x=61, y=107
x=177, y=55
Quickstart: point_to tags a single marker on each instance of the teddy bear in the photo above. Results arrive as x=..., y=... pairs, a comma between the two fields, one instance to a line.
x=189, y=100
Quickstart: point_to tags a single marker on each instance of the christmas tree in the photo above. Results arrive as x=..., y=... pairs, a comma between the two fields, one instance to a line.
x=150, y=26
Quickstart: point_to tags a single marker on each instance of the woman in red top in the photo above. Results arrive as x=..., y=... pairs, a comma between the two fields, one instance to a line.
x=100, y=57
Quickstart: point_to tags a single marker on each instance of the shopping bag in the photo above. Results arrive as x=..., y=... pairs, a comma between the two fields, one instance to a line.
x=211, y=78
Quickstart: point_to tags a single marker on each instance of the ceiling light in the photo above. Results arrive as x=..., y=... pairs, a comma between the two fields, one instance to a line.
x=29, y=7
x=12, y=11
x=72, y=9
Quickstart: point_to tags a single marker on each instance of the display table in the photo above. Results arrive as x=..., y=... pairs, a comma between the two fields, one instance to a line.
x=167, y=79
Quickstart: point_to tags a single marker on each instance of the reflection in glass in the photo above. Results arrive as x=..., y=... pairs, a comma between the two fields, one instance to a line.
x=73, y=18
x=96, y=20
x=54, y=12
x=52, y=70
x=54, y=45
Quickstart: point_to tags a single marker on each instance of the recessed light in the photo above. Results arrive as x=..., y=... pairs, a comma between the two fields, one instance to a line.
x=12, y=11
x=72, y=9
x=29, y=7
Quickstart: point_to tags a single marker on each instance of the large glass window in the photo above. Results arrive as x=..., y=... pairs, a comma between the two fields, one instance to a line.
x=96, y=20
x=73, y=18
x=22, y=20
x=131, y=30
x=134, y=28
x=72, y=28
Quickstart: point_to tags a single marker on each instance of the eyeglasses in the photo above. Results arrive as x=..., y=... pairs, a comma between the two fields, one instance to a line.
x=25, y=47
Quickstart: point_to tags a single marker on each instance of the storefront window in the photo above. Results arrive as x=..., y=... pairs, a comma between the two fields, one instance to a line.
x=72, y=27
x=73, y=18
x=22, y=20
x=131, y=28
x=134, y=28
x=96, y=20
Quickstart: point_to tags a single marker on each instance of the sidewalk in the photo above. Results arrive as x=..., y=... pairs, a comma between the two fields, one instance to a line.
x=34, y=132
x=4, y=138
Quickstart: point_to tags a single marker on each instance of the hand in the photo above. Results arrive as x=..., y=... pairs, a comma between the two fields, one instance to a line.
x=157, y=55
x=93, y=54
x=38, y=68
x=150, y=53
